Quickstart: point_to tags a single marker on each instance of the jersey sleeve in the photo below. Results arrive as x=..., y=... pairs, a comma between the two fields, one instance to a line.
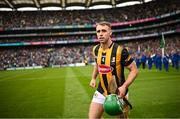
x=126, y=59
x=95, y=52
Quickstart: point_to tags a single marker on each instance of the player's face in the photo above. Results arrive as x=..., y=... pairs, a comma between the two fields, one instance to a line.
x=103, y=33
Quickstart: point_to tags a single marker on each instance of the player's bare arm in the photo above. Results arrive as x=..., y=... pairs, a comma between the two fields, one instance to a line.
x=131, y=77
x=94, y=75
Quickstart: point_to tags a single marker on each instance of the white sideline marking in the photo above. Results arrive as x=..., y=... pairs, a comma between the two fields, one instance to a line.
x=70, y=101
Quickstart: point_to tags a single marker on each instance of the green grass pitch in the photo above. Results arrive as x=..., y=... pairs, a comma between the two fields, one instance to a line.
x=65, y=93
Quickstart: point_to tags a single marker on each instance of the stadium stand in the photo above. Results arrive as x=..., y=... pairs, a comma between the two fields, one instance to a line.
x=58, y=38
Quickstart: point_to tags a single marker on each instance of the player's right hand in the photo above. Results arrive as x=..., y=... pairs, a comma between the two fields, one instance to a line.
x=93, y=83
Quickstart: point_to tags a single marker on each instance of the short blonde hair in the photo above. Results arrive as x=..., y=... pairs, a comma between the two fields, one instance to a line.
x=104, y=23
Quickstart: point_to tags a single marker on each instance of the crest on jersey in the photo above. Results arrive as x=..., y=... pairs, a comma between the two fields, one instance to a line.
x=113, y=59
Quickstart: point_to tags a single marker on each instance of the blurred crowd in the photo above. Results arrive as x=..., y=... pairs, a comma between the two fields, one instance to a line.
x=146, y=52
x=63, y=55
x=92, y=37
x=43, y=56
x=85, y=17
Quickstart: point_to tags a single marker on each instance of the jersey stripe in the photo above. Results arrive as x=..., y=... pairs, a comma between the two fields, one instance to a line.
x=118, y=64
x=108, y=63
x=114, y=63
x=102, y=84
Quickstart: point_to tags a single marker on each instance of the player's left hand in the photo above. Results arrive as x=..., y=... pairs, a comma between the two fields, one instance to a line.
x=122, y=91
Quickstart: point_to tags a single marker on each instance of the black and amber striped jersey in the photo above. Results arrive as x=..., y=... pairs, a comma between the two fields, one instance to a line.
x=111, y=63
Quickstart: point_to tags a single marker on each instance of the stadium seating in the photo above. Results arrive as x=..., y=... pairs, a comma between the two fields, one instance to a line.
x=45, y=38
